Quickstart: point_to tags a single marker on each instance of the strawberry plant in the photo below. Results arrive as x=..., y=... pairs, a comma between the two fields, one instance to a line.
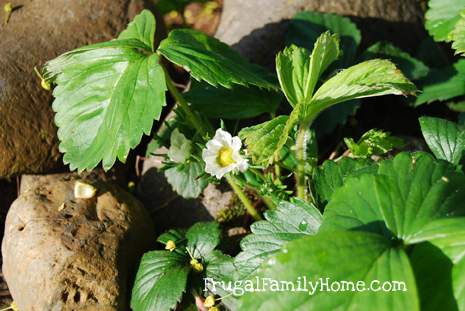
x=372, y=228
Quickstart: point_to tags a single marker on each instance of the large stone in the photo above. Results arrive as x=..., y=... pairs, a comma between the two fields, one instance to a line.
x=257, y=28
x=63, y=253
x=40, y=30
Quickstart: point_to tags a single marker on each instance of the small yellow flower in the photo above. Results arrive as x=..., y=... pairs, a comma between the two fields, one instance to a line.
x=170, y=245
x=8, y=7
x=222, y=155
x=209, y=301
x=196, y=265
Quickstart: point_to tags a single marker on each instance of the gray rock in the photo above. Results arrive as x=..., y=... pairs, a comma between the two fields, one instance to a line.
x=63, y=253
x=257, y=28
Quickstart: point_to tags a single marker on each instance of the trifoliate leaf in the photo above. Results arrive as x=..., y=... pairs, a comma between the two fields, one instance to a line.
x=186, y=179
x=306, y=27
x=442, y=84
x=413, y=68
x=409, y=192
x=107, y=96
x=236, y=103
x=445, y=139
x=298, y=71
x=289, y=221
x=332, y=175
x=212, y=61
x=370, y=78
x=442, y=16
x=160, y=281
x=180, y=147
x=202, y=238
x=262, y=140
x=330, y=257
x=373, y=142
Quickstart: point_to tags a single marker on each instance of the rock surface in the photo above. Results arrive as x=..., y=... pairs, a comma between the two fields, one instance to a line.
x=37, y=31
x=63, y=253
x=170, y=210
x=257, y=28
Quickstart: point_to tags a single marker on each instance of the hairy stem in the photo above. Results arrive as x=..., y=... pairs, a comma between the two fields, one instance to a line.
x=241, y=195
x=301, y=155
x=202, y=127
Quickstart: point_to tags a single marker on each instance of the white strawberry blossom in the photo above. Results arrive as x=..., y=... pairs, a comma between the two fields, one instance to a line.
x=222, y=154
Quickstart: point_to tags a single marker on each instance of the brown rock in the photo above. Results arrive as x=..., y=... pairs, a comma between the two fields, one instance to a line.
x=257, y=28
x=40, y=30
x=62, y=253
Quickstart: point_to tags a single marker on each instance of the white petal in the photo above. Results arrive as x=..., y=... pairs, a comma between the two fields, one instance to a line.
x=224, y=137
x=214, y=145
x=224, y=170
x=244, y=165
x=236, y=143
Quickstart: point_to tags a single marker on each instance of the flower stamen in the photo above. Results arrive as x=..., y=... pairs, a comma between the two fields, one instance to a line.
x=225, y=156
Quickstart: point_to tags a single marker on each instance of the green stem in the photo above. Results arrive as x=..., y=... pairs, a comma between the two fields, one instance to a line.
x=241, y=195
x=301, y=155
x=268, y=202
x=202, y=127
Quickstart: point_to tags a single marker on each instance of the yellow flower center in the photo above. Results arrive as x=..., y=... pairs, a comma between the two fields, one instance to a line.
x=225, y=157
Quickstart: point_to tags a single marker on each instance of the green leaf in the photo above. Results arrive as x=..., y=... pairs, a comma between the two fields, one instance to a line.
x=262, y=140
x=370, y=78
x=458, y=36
x=413, y=68
x=445, y=139
x=433, y=269
x=292, y=66
x=448, y=234
x=142, y=28
x=306, y=27
x=107, y=96
x=458, y=106
x=289, y=221
x=409, y=192
x=202, y=238
x=178, y=236
x=458, y=282
x=332, y=175
x=373, y=142
x=236, y=103
x=212, y=61
x=442, y=84
x=442, y=16
x=186, y=179
x=180, y=147
x=221, y=268
x=335, y=257
x=298, y=71
x=160, y=281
